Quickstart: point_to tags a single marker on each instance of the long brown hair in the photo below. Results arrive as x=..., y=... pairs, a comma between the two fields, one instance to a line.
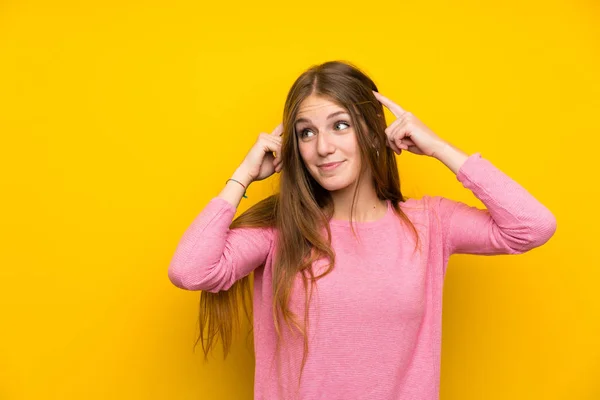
x=302, y=208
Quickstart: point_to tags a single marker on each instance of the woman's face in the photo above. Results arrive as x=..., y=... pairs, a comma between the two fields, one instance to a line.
x=327, y=143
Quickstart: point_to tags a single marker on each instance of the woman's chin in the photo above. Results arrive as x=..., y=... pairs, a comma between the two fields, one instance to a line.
x=332, y=185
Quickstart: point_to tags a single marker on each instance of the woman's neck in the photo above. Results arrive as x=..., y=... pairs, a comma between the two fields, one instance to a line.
x=367, y=207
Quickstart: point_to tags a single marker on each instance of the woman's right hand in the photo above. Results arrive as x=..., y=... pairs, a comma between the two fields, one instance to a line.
x=260, y=162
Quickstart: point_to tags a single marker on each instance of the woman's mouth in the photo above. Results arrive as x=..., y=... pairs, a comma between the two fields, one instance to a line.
x=330, y=166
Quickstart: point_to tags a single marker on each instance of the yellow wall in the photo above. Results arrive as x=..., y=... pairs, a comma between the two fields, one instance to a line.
x=120, y=120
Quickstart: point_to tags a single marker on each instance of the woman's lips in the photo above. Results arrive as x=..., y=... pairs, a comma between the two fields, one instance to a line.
x=330, y=166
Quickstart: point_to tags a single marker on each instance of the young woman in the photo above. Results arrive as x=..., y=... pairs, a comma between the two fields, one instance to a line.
x=348, y=273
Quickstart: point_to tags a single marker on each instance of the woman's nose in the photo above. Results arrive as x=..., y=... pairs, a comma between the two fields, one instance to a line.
x=324, y=143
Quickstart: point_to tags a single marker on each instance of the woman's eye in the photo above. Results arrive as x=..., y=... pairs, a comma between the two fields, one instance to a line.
x=342, y=123
x=304, y=132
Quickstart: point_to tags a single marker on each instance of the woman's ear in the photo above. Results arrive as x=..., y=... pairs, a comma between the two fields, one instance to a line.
x=375, y=143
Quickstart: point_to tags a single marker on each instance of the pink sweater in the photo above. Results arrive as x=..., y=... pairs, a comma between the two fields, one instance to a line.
x=375, y=321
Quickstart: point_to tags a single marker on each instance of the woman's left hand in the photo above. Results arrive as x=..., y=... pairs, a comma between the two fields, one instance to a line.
x=407, y=132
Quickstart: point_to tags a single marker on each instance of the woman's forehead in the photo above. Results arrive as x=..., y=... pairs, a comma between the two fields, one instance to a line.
x=317, y=106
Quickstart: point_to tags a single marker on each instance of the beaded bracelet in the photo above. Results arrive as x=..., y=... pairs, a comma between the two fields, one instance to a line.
x=231, y=179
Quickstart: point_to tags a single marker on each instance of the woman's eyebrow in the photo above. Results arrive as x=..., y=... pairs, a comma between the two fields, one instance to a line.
x=329, y=117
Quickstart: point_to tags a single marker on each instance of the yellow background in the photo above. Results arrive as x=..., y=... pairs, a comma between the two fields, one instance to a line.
x=120, y=120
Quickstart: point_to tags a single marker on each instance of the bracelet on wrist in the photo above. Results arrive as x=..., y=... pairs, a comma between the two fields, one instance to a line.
x=231, y=179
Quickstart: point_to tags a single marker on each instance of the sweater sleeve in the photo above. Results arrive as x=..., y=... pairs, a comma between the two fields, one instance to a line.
x=512, y=223
x=212, y=257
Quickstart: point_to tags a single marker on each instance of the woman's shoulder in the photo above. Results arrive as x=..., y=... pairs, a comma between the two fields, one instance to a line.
x=426, y=204
x=419, y=203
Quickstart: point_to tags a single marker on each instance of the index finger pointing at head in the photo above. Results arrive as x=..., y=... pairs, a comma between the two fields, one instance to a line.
x=278, y=130
x=393, y=107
